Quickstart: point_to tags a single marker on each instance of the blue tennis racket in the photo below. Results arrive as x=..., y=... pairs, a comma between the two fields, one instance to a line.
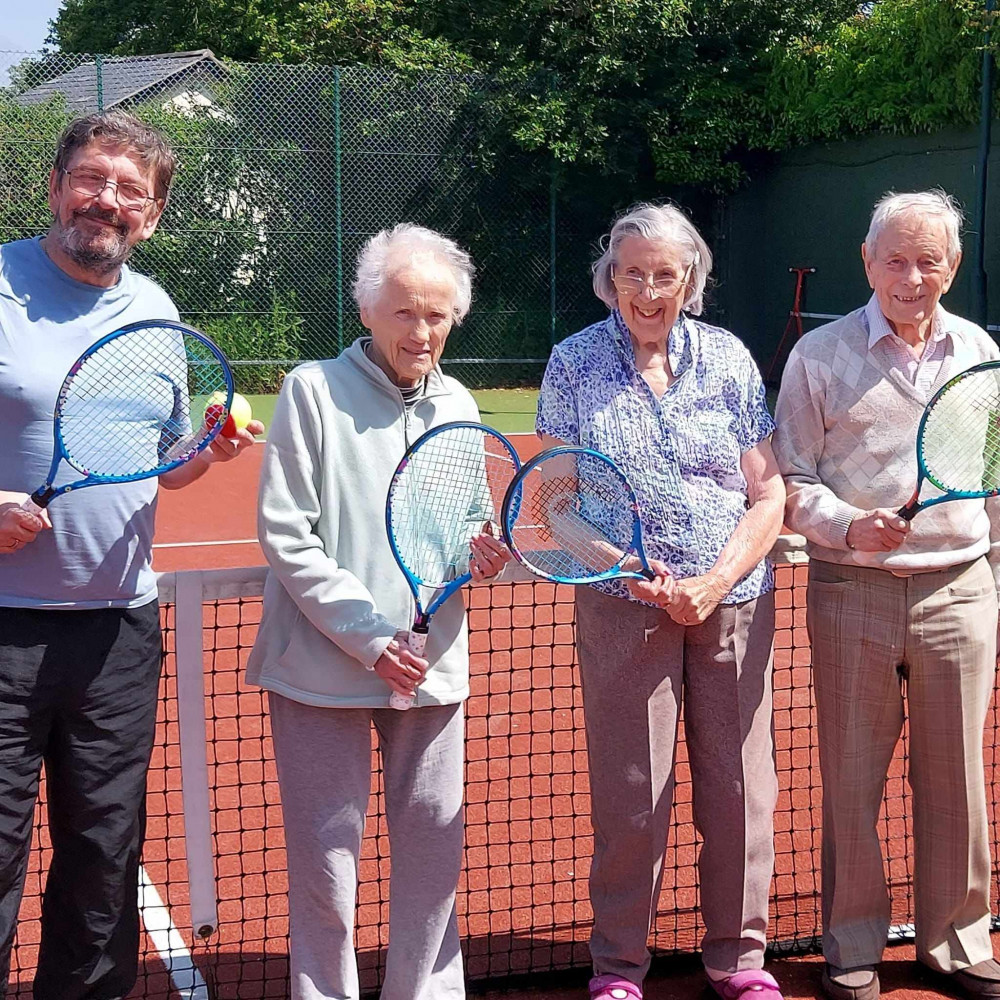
x=449, y=486
x=134, y=406
x=958, y=440
x=571, y=516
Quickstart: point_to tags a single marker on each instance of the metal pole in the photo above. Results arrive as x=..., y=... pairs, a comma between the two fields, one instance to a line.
x=979, y=279
x=99, y=66
x=338, y=209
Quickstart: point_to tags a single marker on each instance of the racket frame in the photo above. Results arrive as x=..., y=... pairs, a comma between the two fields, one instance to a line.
x=422, y=617
x=512, y=508
x=914, y=505
x=46, y=493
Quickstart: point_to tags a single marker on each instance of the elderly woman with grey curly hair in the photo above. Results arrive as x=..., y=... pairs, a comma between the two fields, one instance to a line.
x=680, y=406
x=331, y=647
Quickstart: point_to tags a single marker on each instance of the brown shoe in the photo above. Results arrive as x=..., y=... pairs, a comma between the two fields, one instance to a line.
x=850, y=984
x=980, y=980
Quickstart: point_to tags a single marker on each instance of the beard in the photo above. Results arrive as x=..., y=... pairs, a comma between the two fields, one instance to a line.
x=102, y=251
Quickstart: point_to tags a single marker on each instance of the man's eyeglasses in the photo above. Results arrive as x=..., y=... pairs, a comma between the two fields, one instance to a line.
x=666, y=286
x=91, y=182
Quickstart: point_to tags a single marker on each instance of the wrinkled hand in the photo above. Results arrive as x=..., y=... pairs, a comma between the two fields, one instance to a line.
x=17, y=527
x=879, y=530
x=400, y=668
x=696, y=597
x=659, y=591
x=224, y=449
x=488, y=556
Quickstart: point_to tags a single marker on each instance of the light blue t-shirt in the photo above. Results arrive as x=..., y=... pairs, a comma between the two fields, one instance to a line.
x=98, y=553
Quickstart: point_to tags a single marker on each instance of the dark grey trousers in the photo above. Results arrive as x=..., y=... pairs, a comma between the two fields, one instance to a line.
x=637, y=666
x=78, y=690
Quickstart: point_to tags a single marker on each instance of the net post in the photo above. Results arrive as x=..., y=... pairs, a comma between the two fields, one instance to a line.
x=190, y=648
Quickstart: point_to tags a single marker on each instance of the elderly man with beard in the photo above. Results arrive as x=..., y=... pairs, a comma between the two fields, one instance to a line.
x=79, y=623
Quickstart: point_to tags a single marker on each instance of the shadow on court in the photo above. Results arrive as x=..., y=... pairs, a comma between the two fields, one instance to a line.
x=233, y=975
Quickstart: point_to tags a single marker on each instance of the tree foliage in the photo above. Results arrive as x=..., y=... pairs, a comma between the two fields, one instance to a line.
x=904, y=66
x=371, y=32
x=653, y=88
x=667, y=91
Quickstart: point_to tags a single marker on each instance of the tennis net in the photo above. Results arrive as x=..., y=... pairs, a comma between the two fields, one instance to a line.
x=523, y=895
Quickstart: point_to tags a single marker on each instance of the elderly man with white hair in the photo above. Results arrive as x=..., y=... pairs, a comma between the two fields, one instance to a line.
x=679, y=405
x=331, y=647
x=901, y=618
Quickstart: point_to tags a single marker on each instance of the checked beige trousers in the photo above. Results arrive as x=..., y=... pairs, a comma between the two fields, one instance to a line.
x=879, y=641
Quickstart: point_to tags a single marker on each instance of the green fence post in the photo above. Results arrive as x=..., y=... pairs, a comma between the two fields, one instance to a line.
x=99, y=66
x=552, y=253
x=338, y=209
x=979, y=278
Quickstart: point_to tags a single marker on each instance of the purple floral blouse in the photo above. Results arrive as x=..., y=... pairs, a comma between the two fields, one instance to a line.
x=682, y=452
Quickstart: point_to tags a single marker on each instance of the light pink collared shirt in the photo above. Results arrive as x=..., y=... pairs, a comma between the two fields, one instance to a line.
x=920, y=370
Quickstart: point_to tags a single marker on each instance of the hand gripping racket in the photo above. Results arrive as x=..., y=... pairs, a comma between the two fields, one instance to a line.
x=448, y=487
x=571, y=516
x=958, y=440
x=124, y=411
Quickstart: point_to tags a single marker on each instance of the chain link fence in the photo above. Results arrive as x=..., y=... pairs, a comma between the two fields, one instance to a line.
x=286, y=170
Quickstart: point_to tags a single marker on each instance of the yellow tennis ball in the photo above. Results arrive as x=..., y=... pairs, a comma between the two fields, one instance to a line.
x=240, y=412
x=239, y=416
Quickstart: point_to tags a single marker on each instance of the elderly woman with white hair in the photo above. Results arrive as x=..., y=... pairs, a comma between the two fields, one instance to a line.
x=901, y=617
x=680, y=406
x=331, y=647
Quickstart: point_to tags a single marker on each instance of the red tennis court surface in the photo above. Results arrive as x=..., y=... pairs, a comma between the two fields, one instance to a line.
x=523, y=895
x=213, y=523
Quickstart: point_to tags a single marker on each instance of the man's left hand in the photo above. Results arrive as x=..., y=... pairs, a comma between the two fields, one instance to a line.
x=696, y=597
x=224, y=449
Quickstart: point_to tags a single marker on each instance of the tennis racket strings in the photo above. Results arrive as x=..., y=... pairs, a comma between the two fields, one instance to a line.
x=451, y=489
x=576, y=517
x=960, y=441
x=137, y=402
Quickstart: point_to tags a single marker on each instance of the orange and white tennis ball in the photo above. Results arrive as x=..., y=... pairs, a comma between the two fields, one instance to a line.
x=240, y=413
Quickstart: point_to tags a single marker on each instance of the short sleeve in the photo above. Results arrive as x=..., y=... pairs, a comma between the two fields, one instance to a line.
x=557, y=413
x=753, y=419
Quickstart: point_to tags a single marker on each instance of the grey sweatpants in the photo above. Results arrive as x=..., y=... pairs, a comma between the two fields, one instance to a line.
x=637, y=664
x=324, y=773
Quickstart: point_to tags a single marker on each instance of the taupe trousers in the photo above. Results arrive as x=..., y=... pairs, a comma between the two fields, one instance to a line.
x=324, y=773
x=878, y=639
x=636, y=664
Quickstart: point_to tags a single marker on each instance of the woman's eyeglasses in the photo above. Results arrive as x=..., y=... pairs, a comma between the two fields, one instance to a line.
x=665, y=286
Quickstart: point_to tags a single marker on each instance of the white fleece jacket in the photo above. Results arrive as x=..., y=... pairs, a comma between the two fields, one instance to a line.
x=335, y=596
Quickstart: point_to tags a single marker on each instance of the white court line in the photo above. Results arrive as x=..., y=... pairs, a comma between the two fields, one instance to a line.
x=223, y=541
x=167, y=940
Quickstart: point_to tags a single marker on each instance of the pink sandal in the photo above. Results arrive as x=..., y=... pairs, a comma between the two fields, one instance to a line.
x=613, y=988
x=753, y=984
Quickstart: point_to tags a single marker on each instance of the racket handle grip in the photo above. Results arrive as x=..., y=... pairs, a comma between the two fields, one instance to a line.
x=908, y=512
x=417, y=641
x=30, y=507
